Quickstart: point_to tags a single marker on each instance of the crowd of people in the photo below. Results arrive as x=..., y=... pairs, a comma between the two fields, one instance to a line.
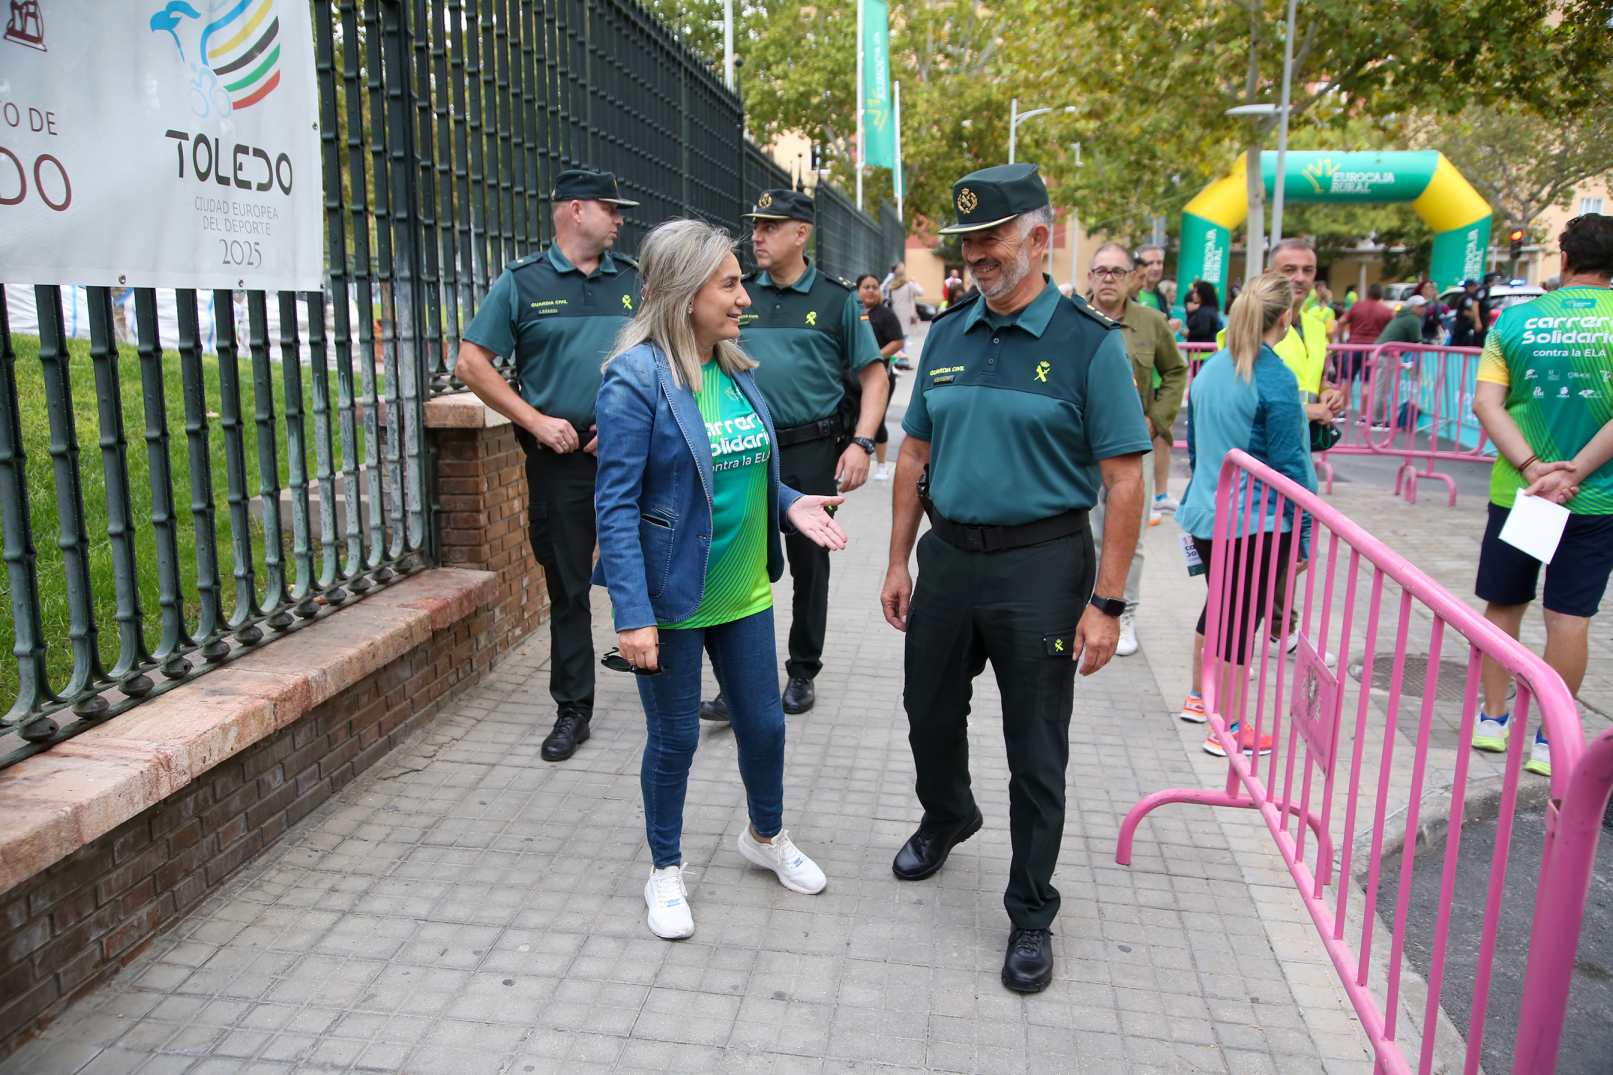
x=701, y=426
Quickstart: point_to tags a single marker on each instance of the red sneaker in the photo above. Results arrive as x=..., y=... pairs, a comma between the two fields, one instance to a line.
x=1245, y=738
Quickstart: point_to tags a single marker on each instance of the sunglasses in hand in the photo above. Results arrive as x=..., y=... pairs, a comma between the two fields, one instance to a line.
x=617, y=663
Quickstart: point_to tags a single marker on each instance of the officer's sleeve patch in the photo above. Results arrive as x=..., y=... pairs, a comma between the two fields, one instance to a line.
x=1061, y=644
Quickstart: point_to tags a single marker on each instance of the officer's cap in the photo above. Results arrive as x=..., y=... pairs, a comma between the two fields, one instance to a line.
x=995, y=196
x=783, y=204
x=586, y=184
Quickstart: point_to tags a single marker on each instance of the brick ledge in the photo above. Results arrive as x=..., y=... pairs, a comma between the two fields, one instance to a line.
x=59, y=801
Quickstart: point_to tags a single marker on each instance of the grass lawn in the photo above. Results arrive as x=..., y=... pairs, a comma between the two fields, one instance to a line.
x=42, y=493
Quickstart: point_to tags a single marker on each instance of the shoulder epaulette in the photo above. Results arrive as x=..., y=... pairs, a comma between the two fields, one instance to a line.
x=748, y=277
x=626, y=259
x=1085, y=307
x=839, y=280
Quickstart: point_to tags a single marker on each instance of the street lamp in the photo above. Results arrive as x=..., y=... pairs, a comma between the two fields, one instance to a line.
x=1016, y=117
x=1254, y=259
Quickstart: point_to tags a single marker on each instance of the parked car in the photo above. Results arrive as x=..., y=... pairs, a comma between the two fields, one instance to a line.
x=1501, y=296
x=1395, y=294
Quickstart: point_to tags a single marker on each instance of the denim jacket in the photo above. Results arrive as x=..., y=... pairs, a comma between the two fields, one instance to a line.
x=652, y=496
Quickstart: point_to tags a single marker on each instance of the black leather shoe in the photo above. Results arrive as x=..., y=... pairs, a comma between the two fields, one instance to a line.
x=1028, y=966
x=799, y=695
x=716, y=709
x=570, y=732
x=926, y=850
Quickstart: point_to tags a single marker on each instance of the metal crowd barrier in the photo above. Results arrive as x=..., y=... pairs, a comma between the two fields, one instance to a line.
x=1365, y=806
x=1413, y=402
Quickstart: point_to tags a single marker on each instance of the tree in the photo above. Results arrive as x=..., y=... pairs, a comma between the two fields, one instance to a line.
x=1522, y=162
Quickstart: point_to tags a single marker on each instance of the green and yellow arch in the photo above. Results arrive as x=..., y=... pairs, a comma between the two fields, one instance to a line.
x=1440, y=194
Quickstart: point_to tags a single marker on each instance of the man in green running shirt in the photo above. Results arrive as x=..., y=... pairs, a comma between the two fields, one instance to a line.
x=1545, y=398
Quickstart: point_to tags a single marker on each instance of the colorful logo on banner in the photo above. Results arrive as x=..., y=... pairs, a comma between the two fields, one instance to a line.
x=26, y=25
x=235, y=59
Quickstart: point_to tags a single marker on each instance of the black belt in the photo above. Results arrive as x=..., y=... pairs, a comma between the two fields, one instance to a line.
x=801, y=434
x=970, y=537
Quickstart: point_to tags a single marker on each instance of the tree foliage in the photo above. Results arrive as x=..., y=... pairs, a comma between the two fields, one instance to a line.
x=1521, y=161
x=1149, y=83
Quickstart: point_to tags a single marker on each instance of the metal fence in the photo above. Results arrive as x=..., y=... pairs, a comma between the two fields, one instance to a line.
x=284, y=469
x=849, y=242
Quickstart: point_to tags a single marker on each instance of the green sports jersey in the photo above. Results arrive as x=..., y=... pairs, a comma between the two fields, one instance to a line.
x=736, y=568
x=1555, y=357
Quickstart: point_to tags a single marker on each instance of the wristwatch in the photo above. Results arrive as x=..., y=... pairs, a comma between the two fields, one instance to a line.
x=865, y=443
x=1109, y=606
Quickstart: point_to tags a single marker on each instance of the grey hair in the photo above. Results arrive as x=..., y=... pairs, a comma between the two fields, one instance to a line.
x=1028, y=220
x=675, y=262
x=1111, y=245
x=1146, y=247
x=1293, y=242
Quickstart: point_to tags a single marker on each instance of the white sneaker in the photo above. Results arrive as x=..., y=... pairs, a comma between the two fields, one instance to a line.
x=1166, y=503
x=795, y=871
x=882, y=472
x=668, y=901
x=1128, y=634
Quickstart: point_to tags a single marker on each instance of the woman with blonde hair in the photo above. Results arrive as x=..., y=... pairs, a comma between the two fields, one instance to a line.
x=689, y=508
x=1245, y=397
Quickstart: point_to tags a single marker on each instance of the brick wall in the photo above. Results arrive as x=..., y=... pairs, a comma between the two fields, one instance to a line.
x=94, y=911
x=481, y=491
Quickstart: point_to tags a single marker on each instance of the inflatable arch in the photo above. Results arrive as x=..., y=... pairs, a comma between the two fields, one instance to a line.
x=1440, y=194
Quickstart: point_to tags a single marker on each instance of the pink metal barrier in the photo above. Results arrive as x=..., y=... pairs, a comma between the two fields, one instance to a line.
x=1413, y=402
x=1338, y=812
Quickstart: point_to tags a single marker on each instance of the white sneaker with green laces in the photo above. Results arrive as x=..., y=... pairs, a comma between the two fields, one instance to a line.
x=795, y=871
x=668, y=900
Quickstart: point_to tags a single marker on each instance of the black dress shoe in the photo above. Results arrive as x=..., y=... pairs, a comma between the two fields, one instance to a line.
x=570, y=732
x=716, y=709
x=926, y=850
x=1028, y=966
x=799, y=695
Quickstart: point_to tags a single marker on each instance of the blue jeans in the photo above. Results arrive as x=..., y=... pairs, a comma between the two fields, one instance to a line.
x=745, y=660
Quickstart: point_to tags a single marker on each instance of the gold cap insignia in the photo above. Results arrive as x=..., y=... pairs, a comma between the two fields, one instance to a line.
x=765, y=201
x=967, y=200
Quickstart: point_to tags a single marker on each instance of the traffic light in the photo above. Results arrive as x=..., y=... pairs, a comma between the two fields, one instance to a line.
x=1517, y=242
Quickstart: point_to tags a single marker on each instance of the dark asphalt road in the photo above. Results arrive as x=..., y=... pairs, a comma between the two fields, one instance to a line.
x=1587, y=1044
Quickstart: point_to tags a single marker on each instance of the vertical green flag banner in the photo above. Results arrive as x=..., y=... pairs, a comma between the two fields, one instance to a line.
x=879, y=126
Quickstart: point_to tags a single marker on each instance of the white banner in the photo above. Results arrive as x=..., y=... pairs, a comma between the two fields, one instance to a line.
x=160, y=143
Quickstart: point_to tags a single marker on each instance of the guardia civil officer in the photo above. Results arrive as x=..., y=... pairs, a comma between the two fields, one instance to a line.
x=807, y=330
x=557, y=312
x=1024, y=403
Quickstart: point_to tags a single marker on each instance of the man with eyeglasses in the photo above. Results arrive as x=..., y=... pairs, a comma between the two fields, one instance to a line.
x=1160, y=376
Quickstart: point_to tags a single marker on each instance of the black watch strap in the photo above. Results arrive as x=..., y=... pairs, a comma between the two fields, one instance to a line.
x=865, y=443
x=1109, y=606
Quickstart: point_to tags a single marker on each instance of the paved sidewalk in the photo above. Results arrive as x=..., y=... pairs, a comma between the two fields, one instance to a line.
x=466, y=907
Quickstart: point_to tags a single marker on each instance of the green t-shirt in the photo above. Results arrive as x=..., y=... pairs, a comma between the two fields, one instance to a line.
x=1554, y=356
x=736, y=568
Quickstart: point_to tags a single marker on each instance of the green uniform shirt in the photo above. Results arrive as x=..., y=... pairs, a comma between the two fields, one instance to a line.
x=1554, y=356
x=736, y=567
x=803, y=338
x=559, y=325
x=1019, y=410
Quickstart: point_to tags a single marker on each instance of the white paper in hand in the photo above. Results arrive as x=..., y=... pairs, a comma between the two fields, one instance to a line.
x=1535, y=526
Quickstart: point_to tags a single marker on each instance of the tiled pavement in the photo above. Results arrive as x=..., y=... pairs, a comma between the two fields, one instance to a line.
x=466, y=907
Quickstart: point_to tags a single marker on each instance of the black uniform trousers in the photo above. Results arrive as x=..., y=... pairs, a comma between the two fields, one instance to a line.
x=808, y=468
x=1018, y=609
x=560, y=525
